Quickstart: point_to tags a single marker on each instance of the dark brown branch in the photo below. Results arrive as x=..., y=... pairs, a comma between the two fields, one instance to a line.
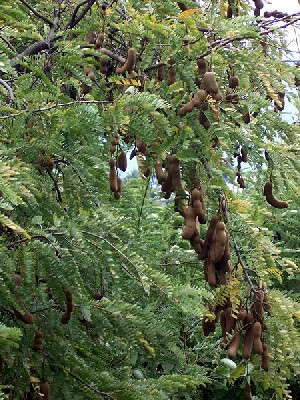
x=34, y=48
x=112, y=55
x=154, y=66
x=59, y=198
x=76, y=19
x=9, y=89
x=36, y=13
x=26, y=240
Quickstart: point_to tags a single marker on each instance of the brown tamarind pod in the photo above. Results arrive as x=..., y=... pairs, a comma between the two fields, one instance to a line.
x=122, y=161
x=234, y=344
x=211, y=273
x=197, y=202
x=230, y=320
x=259, y=4
x=265, y=358
x=244, y=154
x=247, y=391
x=141, y=147
x=160, y=73
x=248, y=320
x=174, y=172
x=103, y=65
x=246, y=117
x=17, y=280
x=172, y=71
x=196, y=101
x=209, y=237
x=129, y=63
x=233, y=82
x=209, y=83
x=90, y=37
x=89, y=73
x=218, y=244
x=114, y=141
x=161, y=175
x=69, y=301
x=112, y=149
x=99, y=40
x=217, y=96
x=208, y=326
x=45, y=389
x=241, y=182
x=26, y=316
x=190, y=224
x=179, y=205
x=117, y=193
x=204, y=120
x=38, y=341
x=256, y=12
x=248, y=342
x=257, y=344
x=113, y=183
x=197, y=242
x=201, y=64
x=268, y=193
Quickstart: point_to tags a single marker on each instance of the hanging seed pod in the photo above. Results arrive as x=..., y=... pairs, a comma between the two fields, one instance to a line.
x=26, y=316
x=208, y=326
x=246, y=117
x=117, y=193
x=160, y=73
x=113, y=183
x=201, y=63
x=190, y=224
x=174, y=172
x=218, y=244
x=129, y=63
x=204, y=120
x=244, y=154
x=265, y=358
x=17, y=280
x=180, y=206
x=248, y=342
x=141, y=147
x=209, y=83
x=247, y=391
x=209, y=237
x=90, y=37
x=122, y=161
x=196, y=101
x=45, y=390
x=172, y=71
x=99, y=40
x=211, y=273
x=69, y=307
x=197, y=202
x=38, y=341
x=197, y=242
x=257, y=344
x=161, y=175
x=233, y=82
x=268, y=193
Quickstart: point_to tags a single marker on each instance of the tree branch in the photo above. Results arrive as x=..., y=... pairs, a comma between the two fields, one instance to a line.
x=33, y=49
x=8, y=44
x=74, y=19
x=9, y=89
x=36, y=13
x=112, y=55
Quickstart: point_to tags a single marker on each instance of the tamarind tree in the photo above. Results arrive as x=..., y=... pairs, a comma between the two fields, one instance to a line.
x=177, y=284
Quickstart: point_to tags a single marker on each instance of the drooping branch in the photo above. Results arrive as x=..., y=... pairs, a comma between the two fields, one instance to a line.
x=75, y=19
x=9, y=89
x=37, y=14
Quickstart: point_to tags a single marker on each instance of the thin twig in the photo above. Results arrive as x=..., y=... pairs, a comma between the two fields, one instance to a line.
x=9, y=89
x=8, y=44
x=40, y=109
x=75, y=20
x=36, y=13
x=59, y=198
x=26, y=240
x=143, y=201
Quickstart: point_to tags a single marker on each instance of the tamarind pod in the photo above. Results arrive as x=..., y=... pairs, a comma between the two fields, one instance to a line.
x=259, y=4
x=248, y=343
x=103, y=65
x=89, y=73
x=233, y=82
x=171, y=71
x=241, y=315
x=257, y=344
x=218, y=96
x=38, y=341
x=197, y=242
x=223, y=266
x=246, y=117
x=190, y=224
x=99, y=40
x=247, y=391
x=221, y=277
x=27, y=317
x=65, y=318
x=174, y=172
x=114, y=141
x=201, y=64
x=117, y=194
x=211, y=274
x=241, y=182
x=281, y=96
x=197, y=202
x=90, y=37
x=244, y=153
x=195, y=195
x=268, y=193
x=141, y=147
x=248, y=320
x=209, y=83
x=267, y=14
x=234, y=344
x=129, y=63
x=167, y=184
x=45, y=390
x=218, y=244
x=267, y=156
x=179, y=205
x=160, y=174
x=208, y=326
x=266, y=305
x=16, y=279
x=112, y=149
x=265, y=358
x=160, y=73
x=256, y=12
x=230, y=320
x=182, y=6
x=257, y=305
x=209, y=237
x=229, y=12
x=113, y=183
x=204, y=120
x=196, y=101
x=122, y=161
x=69, y=301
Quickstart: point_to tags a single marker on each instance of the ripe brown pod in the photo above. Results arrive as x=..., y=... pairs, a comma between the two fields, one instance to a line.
x=69, y=307
x=247, y=391
x=233, y=82
x=113, y=183
x=45, y=390
x=160, y=73
x=244, y=154
x=89, y=73
x=257, y=344
x=209, y=83
x=259, y=4
x=114, y=141
x=118, y=192
x=196, y=101
x=201, y=64
x=197, y=202
x=112, y=149
x=246, y=117
x=179, y=205
x=197, y=242
x=99, y=40
x=208, y=326
x=172, y=71
x=248, y=342
x=218, y=244
x=161, y=175
x=211, y=273
x=204, y=120
x=26, y=316
x=268, y=193
x=174, y=172
x=90, y=37
x=141, y=147
x=17, y=280
x=129, y=63
x=190, y=224
x=122, y=161
x=234, y=344
x=209, y=237
x=265, y=358
x=38, y=341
